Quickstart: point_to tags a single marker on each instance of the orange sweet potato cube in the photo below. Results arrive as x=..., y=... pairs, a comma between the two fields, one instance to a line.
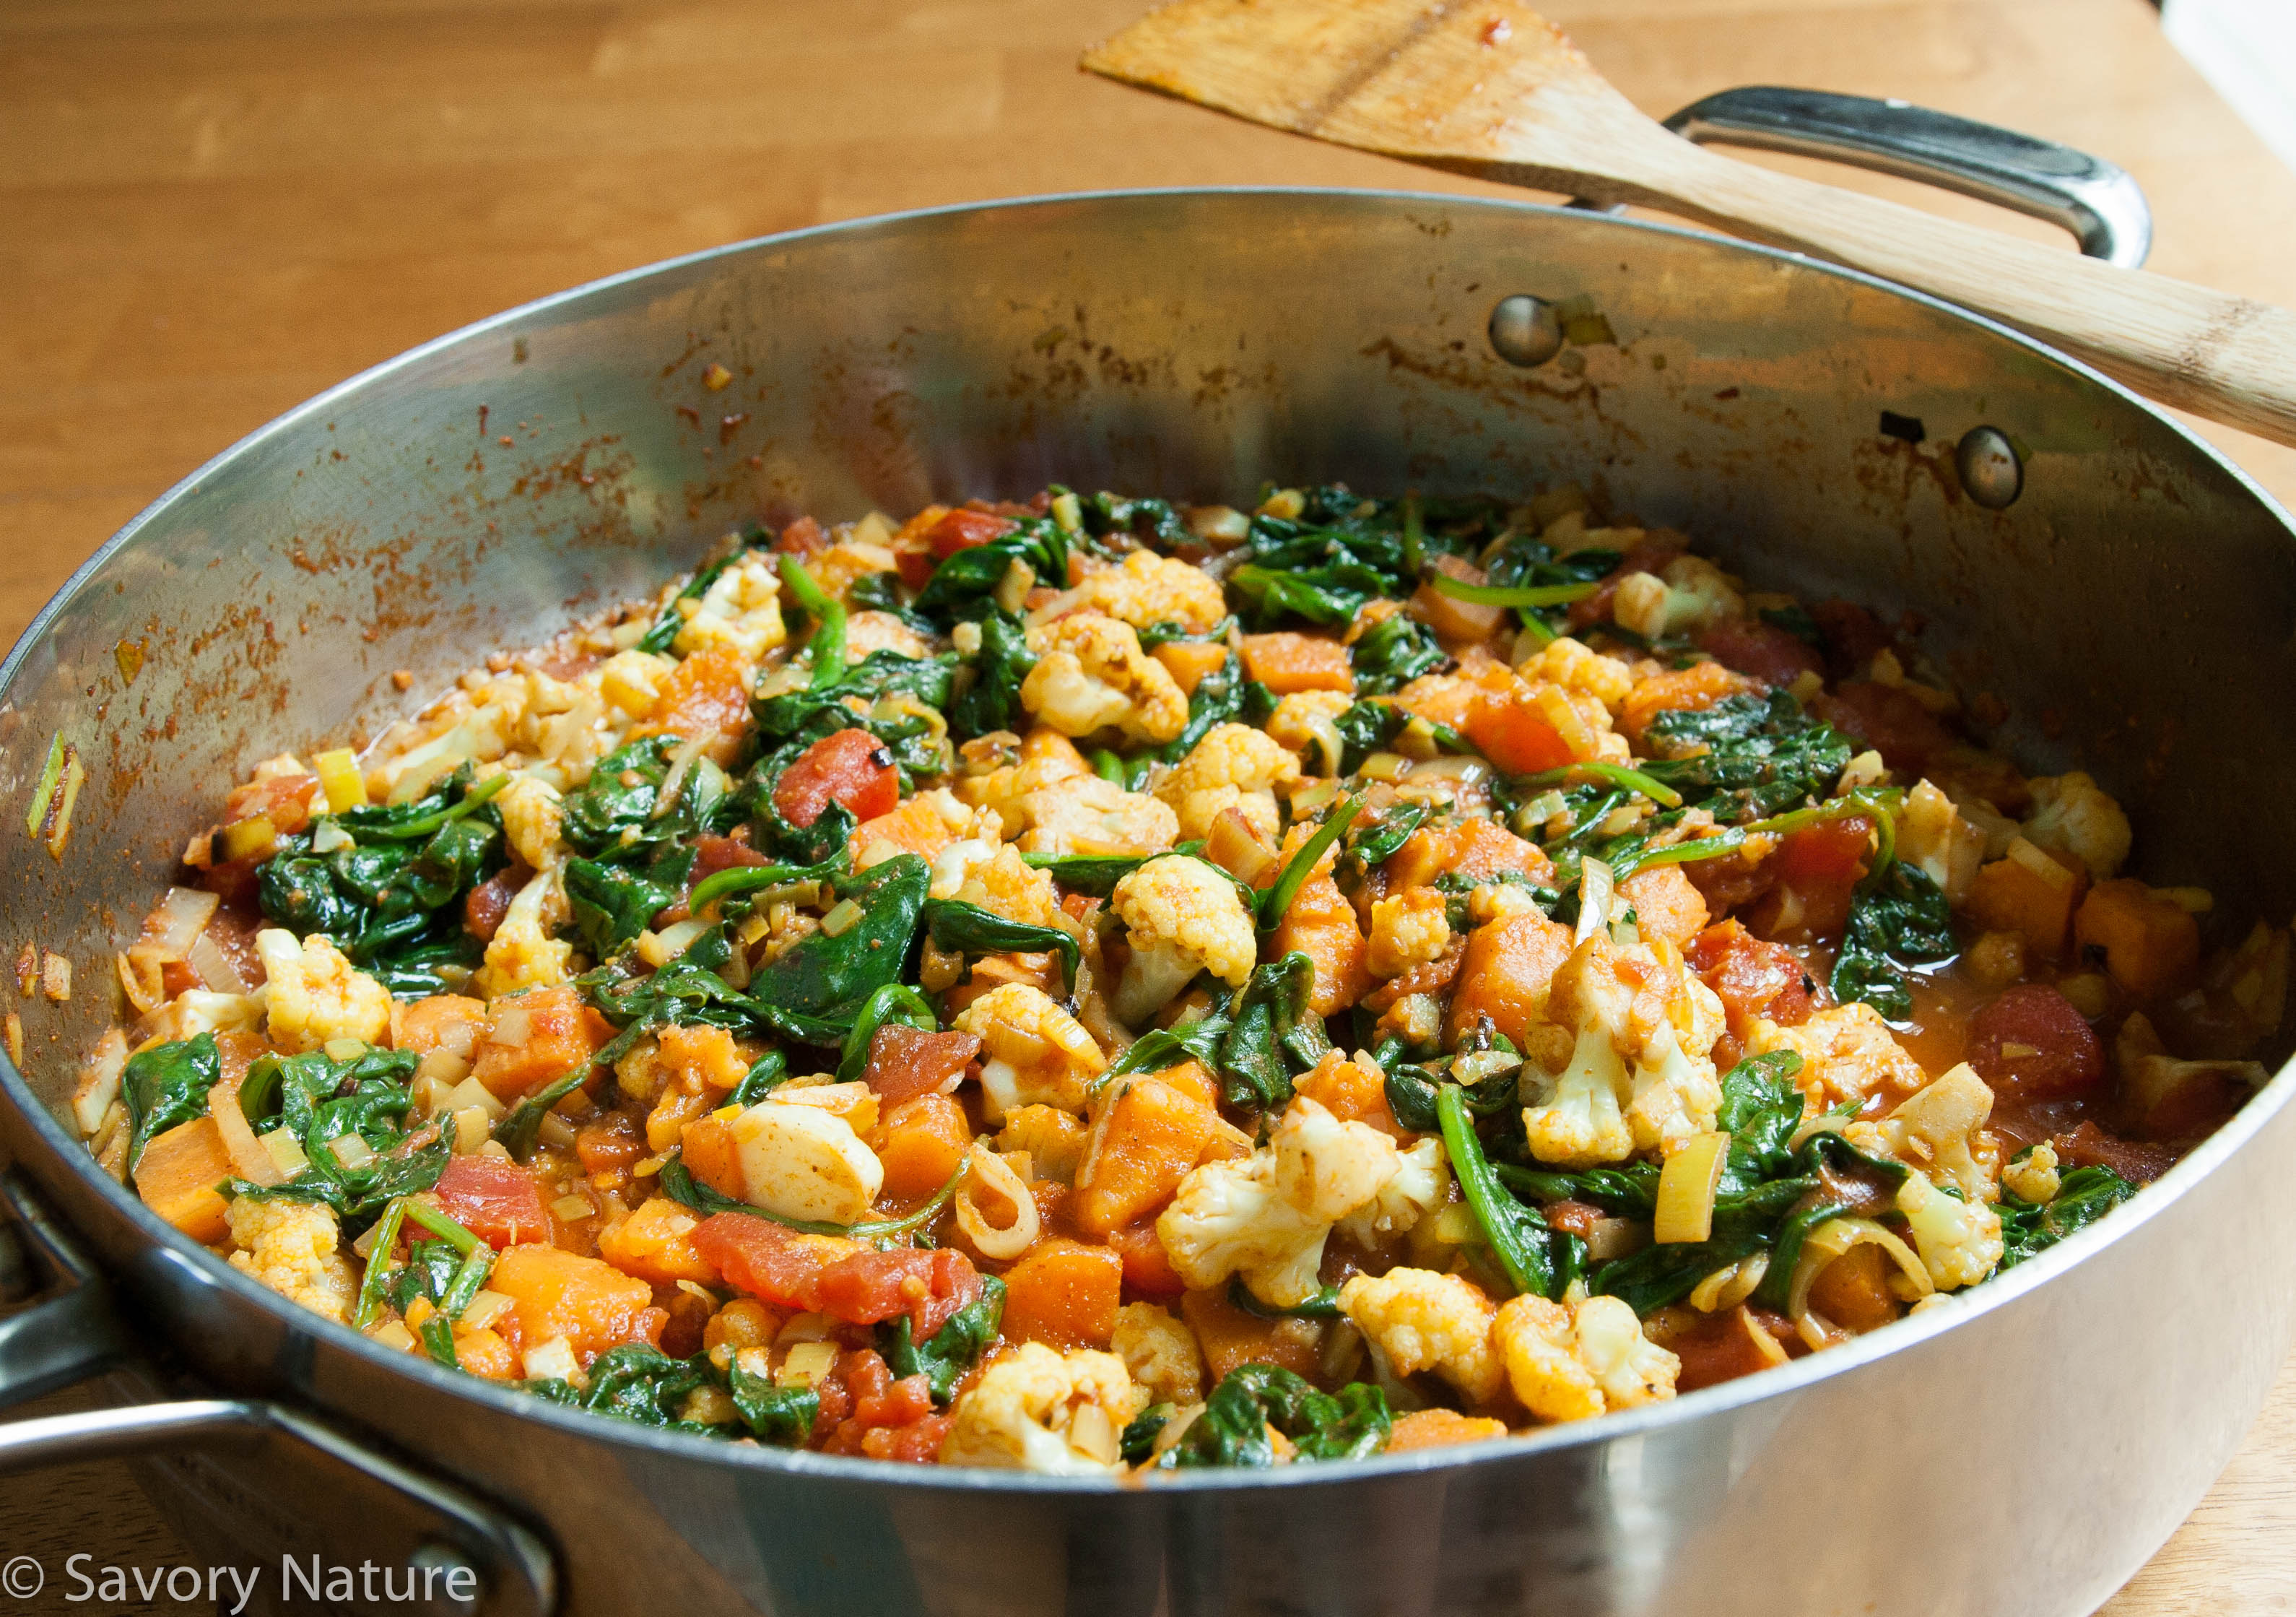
x=2032, y=892
x=1511, y=963
x=1064, y=1294
x=1188, y=663
x=1287, y=661
x=1321, y=924
x=1148, y=1135
x=587, y=1300
x=2151, y=946
x=920, y=1143
x=656, y=1244
x=1230, y=1338
x=179, y=1176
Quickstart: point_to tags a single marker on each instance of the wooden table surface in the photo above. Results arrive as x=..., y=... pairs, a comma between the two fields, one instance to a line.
x=216, y=208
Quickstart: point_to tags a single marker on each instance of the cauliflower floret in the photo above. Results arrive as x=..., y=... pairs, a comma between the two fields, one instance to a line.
x=2072, y=813
x=1091, y=675
x=1146, y=590
x=995, y=879
x=1932, y=834
x=1410, y=929
x=1690, y=595
x=1940, y=1128
x=1184, y=916
x=1035, y=1410
x=1001, y=769
x=1847, y=1052
x=532, y=813
x=1033, y=1052
x=1425, y=1321
x=631, y=681
x=290, y=1246
x=1160, y=1352
x=1310, y=718
x=877, y=631
x=1092, y=816
x=312, y=994
x=1576, y=668
x=1641, y=1073
x=523, y=953
x=2033, y=1177
x=742, y=608
x=1959, y=1242
x=1233, y=766
x=1421, y=1181
x=1566, y=1364
x=838, y=568
x=1266, y=1216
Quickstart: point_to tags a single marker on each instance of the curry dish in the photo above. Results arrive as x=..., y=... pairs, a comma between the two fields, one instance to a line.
x=1093, y=984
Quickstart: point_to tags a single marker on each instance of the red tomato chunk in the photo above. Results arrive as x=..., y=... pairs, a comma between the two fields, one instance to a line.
x=497, y=1201
x=2031, y=1044
x=852, y=767
x=829, y=1274
x=905, y=1062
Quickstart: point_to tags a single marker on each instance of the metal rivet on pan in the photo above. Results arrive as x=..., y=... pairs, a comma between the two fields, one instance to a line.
x=1989, y=468
x=1524, y=330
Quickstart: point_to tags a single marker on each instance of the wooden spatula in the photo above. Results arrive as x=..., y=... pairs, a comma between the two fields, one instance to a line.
x=1494, y=90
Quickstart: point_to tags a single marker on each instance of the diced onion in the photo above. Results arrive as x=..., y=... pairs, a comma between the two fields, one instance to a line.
x=568, y=1208
x=214, y=967
x=284, y=1149
x=1727, y=1288
x=1595, y=888
x=351, y=1151
x=806, y=1363
x=552, y=1360
x=255, y=1164
x=1609, y=1238
x=485, y=1309
x=841, y=919
x=99, y=1082
x=1686, y=1186
x=1833, y=1238
x=182, y=916
x=994, y=1173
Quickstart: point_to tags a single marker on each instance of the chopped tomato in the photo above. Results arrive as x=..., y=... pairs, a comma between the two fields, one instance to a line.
x=2031, y=1044
x=1815, y=869
x=772, y=1263
x=967, y=530
x=1723, y=1347
x=890, y=1419
x=829, y=1274
x=1658, y=547
x=1853, y=636
x=1894, y=723
x=2090, y=1146
x=488, y=904
x=1763, y=650
x=1752, y=978
x=712, y=854
x=852, y=767
x=802, y=538
x=1579, y=1218
x=494, y=1199
x=905, y=1063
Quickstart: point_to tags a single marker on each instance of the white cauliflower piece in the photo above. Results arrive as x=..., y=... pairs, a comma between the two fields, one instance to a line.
x=312, y=994
x=197, y=1011
x=523, y=953
x=1569, y=1364
x=1001, y=768
x=2033, y=1177
x=1410, y=929
x=996, y=879
x=1421, y=1181
x=1959, y=1242
x=1184, y=916
x=1641, y=1072
x=2073, y=815
x=1940, y=1130
x=1266, y=1216
x=532, y=814
x=742, y=608
x=1933, y=834
x=869, y=632
x=1576, y=667
x=1847, y=1052
x=1033, y=1053
x=290, y=1247
x=1233, y=766
x=1425, y=1321
x=1091, y=675
x=1146, y=590
x=1690, y=595
x=1035, y=1410
x=1160, y=1352
x=1092, y=816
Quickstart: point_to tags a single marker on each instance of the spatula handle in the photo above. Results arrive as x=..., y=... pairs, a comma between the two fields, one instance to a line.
x=2229, y=359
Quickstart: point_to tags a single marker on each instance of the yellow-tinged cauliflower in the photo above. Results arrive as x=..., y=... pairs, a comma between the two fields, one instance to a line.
x=532, y=814
x=1641, y=1072
x=1146, y=590
x=1160, y=1352
x=877, y=631
x=290, y=1246
x=1570, y=1363
x=524, y=952
x=1306, y=720
x=1577, y=668
x=1847, y=1052
x=1035, y=1410
x=995, y=878
x=1184, y=916
x=1266, y=1216
x=742, y=608
x=1691, y=594
x=1033, y=1053
x=1092, y=816
x=1091, y=675
x=2073, y=815
x=1425, y=1321
x=1233, y=766
x=1940, y=1130
x=312, y=994
x=1959, y=1242
x=1417, y=1187
x=1935, y=835
x=1410, y=929
x=2034, y=1177
x=631, y=681
x=838, y=568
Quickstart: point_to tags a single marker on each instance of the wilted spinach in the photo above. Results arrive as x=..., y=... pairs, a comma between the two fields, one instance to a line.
x=1271, y=1035
x=815, y=988
x=2084, y=1195
x=1900, y=915
x=1763, y=756
x=1393, y=653
x=1537, y=1258
x=322, y=1101
x=1350, y=1424
x=943, y=1358
x=992, y=700
x=612, y=903
x=167, y=1086
x=967, y=929
x=617, y=814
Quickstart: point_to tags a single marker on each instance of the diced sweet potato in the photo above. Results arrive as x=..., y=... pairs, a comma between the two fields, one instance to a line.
x=484, y=1353
x=1456, y=623
x=1510, y=966
x=994, y=970
x=1523, y=734
x=587, y=1300
x=1064, y=1294
x=1690, y=690
x=439, y=1022
x=1484, y=849
x=535, y=1037
x=915, y=827
x=1853, y=1290
x=1230, y=1338
x=1439, y=1429
x=920, y=1142
x=1188, y=662
x=656, y=1243
x=1148, y=1135
x=1148, y=1270
x=1666, y=905
x=1350, y=1093
x=2151, y=946
x=1190, y=1079
x=711, y=1155
x=707, y=693
x=1287, y=661
x=1321, y=924
x=2032, y=892
x=178, y=1176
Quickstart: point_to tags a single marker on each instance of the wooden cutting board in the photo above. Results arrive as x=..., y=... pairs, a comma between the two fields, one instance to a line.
x=216, y=210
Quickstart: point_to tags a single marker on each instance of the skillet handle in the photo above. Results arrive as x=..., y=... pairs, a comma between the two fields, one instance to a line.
x=339, y=1494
